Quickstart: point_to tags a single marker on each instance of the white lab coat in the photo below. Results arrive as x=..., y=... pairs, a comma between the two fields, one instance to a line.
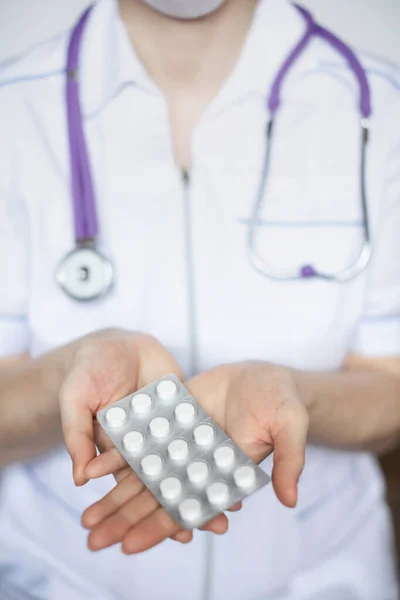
x=337, y=544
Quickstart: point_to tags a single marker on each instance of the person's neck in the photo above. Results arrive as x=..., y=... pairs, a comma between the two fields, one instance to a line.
x=188, y=60
x=188, y=54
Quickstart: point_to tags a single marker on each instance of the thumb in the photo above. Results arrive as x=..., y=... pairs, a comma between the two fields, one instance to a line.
x=289, y=455
x=77, y=407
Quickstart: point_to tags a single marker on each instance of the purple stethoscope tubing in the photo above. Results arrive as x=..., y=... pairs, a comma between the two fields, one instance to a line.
x=84, y=274
x=82, y=187
x=273, y=104
x=84, y=203
x=314, y=30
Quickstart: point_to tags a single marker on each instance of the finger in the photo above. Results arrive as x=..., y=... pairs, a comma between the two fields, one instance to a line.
x=101, y=439
x=108, y=533
x=218, y=525
x=77, y=425
x=155, y=361
x=236, y=507
x=107, y=463
x=184, y=536
x=126, y=490
x=289, y=456
x=113, y=529
x=159, y=526
x=149, y=532
x=122, y=474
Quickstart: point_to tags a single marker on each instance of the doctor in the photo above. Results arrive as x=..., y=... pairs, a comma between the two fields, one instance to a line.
x=139, y=193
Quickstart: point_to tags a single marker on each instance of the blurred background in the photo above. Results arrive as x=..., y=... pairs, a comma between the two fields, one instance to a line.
x=369, y=25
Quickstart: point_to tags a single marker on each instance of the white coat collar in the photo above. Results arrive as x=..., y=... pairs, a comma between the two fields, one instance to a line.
x=108, y=61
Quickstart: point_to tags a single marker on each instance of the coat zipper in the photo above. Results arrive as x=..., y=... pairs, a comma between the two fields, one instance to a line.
x=193, y=343
x=190, y=276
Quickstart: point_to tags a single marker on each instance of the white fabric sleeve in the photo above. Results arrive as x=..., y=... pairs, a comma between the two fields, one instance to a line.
x=14, y=338
x=378, y=332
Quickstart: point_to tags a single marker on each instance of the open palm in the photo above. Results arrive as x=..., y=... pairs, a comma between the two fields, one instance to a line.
x=257, y=405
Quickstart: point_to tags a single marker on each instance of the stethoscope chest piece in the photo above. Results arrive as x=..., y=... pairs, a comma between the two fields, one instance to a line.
x=85, y=274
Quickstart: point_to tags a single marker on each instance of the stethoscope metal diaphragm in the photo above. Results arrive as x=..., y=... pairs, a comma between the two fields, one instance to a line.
x=85, y=274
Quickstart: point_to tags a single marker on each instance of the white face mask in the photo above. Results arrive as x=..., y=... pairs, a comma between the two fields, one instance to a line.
x=185, y=9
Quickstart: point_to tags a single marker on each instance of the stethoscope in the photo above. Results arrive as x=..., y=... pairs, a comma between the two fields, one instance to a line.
x=85, y=274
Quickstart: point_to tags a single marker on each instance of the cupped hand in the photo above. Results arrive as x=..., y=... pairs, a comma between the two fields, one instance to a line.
x=105, y=367
x=260, y=408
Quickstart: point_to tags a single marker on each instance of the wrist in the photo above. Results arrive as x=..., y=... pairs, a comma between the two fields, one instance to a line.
x=97, y=340
x=304, y=383
x=52, y=369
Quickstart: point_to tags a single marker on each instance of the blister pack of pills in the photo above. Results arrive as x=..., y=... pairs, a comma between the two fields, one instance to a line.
x=188, y=463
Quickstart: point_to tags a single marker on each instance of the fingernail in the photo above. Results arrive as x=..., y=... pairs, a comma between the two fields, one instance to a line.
x=79, y=477
x=128, y=551
x=87, y=522
x=81, y=481
x=92, y=547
